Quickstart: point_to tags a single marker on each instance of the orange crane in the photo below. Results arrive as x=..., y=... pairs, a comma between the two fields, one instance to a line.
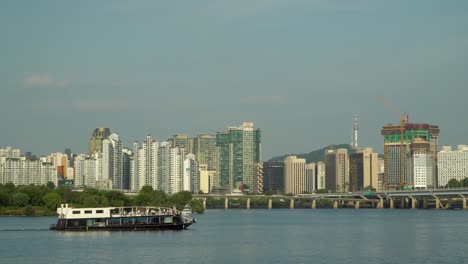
x=403, y=122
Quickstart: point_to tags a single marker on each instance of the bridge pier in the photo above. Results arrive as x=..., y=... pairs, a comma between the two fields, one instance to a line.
x=314, y=204
x=425, y=203
x=402, y=203
x=413, y=203
x=392, y=203
x=464, y=201
x=356, y=204
x=291, y=204
x=248, y=203
x=380, y=204
x=226, y=203
x=270, y=203
x=204, y=203
x=335, y=204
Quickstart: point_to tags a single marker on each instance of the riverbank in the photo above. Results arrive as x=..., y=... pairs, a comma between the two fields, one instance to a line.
x=26, y=211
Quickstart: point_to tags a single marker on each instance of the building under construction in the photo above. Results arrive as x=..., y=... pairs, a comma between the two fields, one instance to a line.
x=410, y=150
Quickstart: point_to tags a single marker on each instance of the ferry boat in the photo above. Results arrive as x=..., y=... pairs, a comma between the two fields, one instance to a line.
x=187, y=210
x=120, y=219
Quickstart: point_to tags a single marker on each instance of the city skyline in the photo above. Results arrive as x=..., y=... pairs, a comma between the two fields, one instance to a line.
x=299, y=70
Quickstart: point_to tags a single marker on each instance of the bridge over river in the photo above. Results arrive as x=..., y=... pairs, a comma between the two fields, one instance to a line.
x=414, y=199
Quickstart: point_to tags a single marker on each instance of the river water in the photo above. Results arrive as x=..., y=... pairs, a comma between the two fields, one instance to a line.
x=254, y=236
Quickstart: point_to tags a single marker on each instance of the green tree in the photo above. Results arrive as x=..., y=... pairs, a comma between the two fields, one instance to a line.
x=34, y=192
x=143, y=199
x=4, y=198
x=197, y=206
x=453, y=183
x=50, y=185
x=369, y=188
x=9, y=188
x=65, y=193
x=91, y=201
x=146, y=189
x=180, y=199
x=117, y=198
x=464, y=183
x=52, y=200
x=20, y=199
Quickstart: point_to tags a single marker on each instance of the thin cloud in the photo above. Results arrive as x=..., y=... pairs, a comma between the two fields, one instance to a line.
x=264, y=100
x=44, y=80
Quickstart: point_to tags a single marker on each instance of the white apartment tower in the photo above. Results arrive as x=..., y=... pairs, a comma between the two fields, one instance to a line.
x=171, y=163
x=191, y=179
x=145, y=168
x=452, y=164
x=112, y=169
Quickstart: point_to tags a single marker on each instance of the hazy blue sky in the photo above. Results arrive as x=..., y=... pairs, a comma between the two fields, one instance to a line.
x=298, y=69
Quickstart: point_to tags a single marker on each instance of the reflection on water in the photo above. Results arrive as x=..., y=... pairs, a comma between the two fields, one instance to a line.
x=253, y=236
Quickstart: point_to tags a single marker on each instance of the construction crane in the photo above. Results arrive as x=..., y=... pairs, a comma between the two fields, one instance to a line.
x=403, y=121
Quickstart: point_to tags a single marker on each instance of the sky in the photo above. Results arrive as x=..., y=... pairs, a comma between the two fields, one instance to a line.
x=299, y=70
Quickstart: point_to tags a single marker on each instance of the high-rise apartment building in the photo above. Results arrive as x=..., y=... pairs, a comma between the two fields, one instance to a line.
x=10, y=152
x=182, y=141
x=205, y=150
x=452, y=164
x=88, y=171
x=337, y=170
x=60, y=161
x=21, y=171
x=191, y=177
x=311, y=177
x=363, y=170
x=398, y=154
x=95, y=143
x=112, y=164
x=145, y=166
x=239, y=150
x=295, y=176
x=207, y=178
x=320, y=175
x=171, y=164
x=422, y=164
x=127, y=168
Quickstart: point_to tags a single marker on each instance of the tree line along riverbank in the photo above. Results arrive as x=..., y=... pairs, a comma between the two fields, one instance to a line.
x=43, y=200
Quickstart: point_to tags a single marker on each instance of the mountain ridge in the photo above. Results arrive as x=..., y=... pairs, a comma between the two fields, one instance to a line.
x=316, y=155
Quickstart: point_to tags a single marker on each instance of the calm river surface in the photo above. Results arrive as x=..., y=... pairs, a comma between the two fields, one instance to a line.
x=254, y=236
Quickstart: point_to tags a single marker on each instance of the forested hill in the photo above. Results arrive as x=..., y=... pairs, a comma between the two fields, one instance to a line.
x=316, y=155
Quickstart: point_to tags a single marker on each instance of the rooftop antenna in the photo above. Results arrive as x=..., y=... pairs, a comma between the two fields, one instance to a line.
x=354, y=144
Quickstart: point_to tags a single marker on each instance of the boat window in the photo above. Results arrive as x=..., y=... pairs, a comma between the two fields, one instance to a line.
x=88, y=211
x=99, y=211
x=76, y=212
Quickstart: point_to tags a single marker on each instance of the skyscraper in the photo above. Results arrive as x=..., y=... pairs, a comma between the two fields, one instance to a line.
x=239, y=149
x=336, y=170
x=273, y=176
x=295, y=176
x=204, y=147
x=182, y=141
x=398, y=156
x=363, y=170
x=95, y=143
